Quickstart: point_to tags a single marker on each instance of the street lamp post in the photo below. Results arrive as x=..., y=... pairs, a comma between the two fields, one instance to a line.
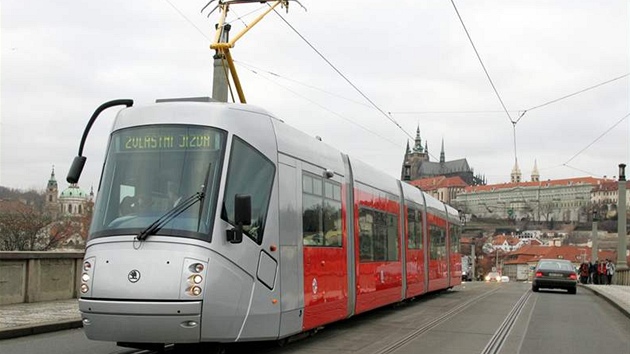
x=462, y=219
x=622, y=261
x=473, y=260
x=594, y=241
x=496, y=261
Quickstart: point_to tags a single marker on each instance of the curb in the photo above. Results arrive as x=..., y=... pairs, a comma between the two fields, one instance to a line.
x=609, y=299
x=28, y=330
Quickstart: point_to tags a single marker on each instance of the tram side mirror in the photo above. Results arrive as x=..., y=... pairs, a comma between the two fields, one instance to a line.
x=75, y=170
x=242, y=217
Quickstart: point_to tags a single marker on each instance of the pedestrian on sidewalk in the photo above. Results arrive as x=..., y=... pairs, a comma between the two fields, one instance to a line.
x=601, y=272
x=610, y=271
x=592, y=270
x=584, y=272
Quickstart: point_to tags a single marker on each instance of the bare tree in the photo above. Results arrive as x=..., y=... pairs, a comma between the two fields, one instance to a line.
x=19, y=228
x=546, y=210
x=24, y=228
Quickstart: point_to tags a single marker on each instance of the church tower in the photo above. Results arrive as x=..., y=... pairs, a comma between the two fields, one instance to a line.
x=52, y=193
x=535, y=173
x=516, y=173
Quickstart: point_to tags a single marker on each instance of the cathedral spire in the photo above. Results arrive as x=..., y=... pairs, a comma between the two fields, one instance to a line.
x=418, y=142
x=408, y=150
x=442, y=158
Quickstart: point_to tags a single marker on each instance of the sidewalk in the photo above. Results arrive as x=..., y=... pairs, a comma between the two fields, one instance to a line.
x=40, y=317
x=617, y=295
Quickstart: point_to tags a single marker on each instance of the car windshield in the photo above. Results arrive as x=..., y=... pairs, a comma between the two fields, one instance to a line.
x=149, y=170
x=555, y=265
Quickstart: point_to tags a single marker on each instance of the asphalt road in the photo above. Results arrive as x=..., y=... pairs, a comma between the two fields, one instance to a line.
x=475, y=318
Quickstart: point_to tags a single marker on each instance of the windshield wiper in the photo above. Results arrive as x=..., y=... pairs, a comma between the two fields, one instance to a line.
x=204, y=190
x=158, y=224
x=178, y=209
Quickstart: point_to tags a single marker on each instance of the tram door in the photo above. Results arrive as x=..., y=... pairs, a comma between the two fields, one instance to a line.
x=325, y=266
x=415, y=256
x=438, y=267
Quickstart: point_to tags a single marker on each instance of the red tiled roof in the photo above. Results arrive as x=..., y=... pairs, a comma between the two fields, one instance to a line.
x=609, y=185
x=531, y=254
x=550, y=183
x=433, y=183
x=500, y=239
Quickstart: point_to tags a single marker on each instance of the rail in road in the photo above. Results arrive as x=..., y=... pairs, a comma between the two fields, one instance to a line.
x=473, y=318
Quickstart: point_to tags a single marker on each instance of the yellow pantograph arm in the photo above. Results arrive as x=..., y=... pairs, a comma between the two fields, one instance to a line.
x=224, y=47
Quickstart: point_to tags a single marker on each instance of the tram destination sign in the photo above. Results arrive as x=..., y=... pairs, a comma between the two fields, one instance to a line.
x=143, y=140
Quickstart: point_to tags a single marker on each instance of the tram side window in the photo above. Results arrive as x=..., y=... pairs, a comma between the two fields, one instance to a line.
x=455, y=238
x=249, y=173
x=414, y=229
x=378, y=236
x=438, y=242
x=321, y=212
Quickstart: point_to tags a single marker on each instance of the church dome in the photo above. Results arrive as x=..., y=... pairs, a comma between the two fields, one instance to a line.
x=73, y=192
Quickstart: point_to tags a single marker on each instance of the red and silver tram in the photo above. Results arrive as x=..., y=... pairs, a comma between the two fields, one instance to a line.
x=218, y=222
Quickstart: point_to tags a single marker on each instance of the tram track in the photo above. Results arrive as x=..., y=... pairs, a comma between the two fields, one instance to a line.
x=496, y=342
x=493, y=346
x=392, y=348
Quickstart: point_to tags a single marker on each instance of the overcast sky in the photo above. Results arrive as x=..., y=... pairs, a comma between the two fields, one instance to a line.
x=62, y=59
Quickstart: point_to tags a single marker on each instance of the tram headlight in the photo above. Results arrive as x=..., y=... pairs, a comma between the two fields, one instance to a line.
x=195, y=290
x=196, y=268
x=196, y=278
x=86, y=276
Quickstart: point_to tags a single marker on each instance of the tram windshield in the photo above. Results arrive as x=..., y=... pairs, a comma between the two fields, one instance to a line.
x=149, y=170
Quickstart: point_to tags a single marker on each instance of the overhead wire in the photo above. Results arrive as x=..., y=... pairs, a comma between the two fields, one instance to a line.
x=247, y=14
x=274, y=74
x=571, y=95
x=523, y=110
x=389, y=117
x=599, y=137
x=246, y=65
x=188, y=20
x=326, y=109
x=496, y=92
x=481, y=62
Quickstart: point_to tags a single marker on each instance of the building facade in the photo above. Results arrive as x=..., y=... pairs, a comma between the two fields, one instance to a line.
x=565, y=200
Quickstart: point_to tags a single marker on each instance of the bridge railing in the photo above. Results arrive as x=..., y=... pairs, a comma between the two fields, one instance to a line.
x=47, y=276
x=621, y=277
x=39, y=276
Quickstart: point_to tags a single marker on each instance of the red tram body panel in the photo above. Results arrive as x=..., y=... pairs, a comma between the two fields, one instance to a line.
x=379, y=277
